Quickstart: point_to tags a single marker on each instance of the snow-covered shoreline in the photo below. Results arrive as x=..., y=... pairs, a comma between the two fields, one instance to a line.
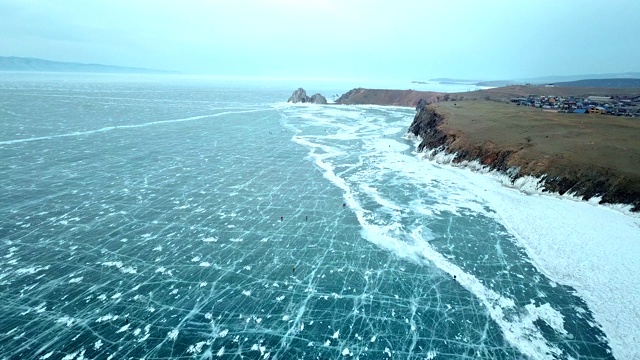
x=592, y=248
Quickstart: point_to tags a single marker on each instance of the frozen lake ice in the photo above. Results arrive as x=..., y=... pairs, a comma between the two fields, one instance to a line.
x=195, y=220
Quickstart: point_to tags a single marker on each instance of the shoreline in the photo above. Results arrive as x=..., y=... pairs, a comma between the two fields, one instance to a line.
x=594, y=246
x=528, y=185
x=583, y=155
x=593, y=252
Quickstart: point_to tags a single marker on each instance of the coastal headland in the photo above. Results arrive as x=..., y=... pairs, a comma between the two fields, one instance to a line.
x=587, y=155
x=361, y=96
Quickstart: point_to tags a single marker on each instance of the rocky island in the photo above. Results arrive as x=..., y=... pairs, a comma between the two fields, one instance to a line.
x=300, y=96
x=587, y=155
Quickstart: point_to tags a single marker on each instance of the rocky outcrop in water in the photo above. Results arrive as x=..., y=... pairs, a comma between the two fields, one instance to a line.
x=300, y=96
x=578, y=179
x=317, y=98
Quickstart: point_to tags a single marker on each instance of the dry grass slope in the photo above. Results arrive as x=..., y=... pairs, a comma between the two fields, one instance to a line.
x=602, y=150
x=601, y=141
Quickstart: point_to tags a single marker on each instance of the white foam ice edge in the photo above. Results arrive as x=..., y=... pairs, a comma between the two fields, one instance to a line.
x=519, y=329
x=592, y=248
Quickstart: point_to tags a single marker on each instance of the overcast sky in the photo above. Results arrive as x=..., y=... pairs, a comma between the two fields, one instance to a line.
x=398, y=39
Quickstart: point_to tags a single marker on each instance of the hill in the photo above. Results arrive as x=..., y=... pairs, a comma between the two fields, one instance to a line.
x=387, y=97
x=605, y=83
x=13, y=63
x=503, y=94
x=557, y=79
x=500, y=94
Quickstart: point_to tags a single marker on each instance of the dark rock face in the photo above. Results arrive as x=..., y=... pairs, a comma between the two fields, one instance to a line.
x=318, y=99
x=589, y=183
x=426, y=125
x=300, y=96
x=583, y=182
x=421, y=104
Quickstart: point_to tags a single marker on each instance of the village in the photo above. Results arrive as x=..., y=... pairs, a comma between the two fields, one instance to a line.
x=604, y=105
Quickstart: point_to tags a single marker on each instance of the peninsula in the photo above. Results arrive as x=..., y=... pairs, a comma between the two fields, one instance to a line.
x=576, y=145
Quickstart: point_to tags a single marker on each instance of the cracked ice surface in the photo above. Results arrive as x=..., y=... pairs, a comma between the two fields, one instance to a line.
x=163, y=238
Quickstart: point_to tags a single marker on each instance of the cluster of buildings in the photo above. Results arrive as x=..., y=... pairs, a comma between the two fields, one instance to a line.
x=619, y=106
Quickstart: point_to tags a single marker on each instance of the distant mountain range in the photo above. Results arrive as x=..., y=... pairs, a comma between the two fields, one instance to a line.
x=628, y=79
x=13, y=63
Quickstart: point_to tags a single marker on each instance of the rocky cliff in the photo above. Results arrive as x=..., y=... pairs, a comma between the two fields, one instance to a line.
x=561, y=172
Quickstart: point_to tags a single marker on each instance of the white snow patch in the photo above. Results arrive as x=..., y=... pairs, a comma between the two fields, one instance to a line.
x=549, y=315
x=173, y=334
x=124, y=328
x=196, y=348
x=31, y=270
x=66, y=320
x=108, y=317
x=120, y=266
